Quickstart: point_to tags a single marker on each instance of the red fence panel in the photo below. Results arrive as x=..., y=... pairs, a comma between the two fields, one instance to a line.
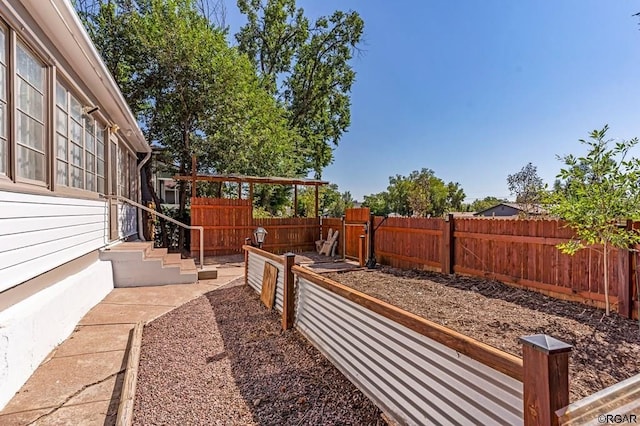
x=407, y=242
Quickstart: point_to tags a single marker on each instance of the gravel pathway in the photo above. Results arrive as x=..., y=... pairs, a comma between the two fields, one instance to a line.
x=222, y=359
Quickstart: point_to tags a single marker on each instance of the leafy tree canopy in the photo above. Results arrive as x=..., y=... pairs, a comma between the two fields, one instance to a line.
x=306, y=67
x=421, y=193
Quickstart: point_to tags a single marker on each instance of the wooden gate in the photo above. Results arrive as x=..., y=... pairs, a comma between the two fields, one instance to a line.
x=355, y=225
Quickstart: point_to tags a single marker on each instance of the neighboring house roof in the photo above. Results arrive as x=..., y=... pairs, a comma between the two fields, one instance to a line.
x=532, y=209
x=63, y=27
x=463, y=214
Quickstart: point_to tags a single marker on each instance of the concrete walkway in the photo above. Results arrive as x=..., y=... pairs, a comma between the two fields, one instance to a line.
x=81, y=380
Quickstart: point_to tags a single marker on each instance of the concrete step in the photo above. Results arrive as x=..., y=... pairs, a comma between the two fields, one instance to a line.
x=138, y=264
x=208, y=273
x=172, y=259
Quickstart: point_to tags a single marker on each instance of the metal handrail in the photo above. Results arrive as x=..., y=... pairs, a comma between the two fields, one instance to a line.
x=164, y=216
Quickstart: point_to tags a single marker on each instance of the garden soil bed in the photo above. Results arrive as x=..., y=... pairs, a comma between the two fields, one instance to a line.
x=606, y=349
x=222, y=359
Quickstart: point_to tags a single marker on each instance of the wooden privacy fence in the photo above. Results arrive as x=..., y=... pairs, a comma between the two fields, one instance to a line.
x=228, y=222
x=519, y=252
x=416, y=371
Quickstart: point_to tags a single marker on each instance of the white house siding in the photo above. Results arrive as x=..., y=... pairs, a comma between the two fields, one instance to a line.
x=39, y=233
x=32, y=328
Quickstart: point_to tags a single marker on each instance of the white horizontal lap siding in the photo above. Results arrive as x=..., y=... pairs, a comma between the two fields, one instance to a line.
x=415, y=379
x=256, y=271
x=39, y=233
x=127, y=220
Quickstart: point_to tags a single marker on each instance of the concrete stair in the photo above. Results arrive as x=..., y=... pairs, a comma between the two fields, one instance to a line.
x=138, y=263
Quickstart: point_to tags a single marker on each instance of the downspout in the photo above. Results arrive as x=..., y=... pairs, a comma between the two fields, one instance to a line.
x=139, y=168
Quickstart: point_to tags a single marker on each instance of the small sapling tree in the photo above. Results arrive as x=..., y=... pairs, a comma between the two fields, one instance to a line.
x=601, y=190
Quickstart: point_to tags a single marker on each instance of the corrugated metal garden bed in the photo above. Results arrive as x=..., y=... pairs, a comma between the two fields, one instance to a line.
x=605, y=348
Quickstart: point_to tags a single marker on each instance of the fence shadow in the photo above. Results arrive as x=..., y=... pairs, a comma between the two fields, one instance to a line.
x=283, y=379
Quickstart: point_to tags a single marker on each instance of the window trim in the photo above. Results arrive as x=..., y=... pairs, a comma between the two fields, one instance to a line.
x=53, y=73
x=46, y=99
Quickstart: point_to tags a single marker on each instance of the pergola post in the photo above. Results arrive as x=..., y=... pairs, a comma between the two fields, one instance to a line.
x=194, y=166
x=239, y=190
x=251, y=193
x=317, y=211
x=295, y=200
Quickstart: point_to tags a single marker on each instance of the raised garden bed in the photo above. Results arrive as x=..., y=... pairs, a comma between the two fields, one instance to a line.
x=222, y=359
x=606, y=349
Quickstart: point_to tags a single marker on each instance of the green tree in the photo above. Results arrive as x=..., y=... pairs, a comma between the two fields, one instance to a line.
x=527, y=186
x=330, y=201
x=192, y=93
x=601, y=191
x=421, y=193
x=307, y=68
x=378, y=203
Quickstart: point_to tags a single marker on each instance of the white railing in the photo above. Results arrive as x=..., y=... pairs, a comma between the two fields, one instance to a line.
x=165, y=217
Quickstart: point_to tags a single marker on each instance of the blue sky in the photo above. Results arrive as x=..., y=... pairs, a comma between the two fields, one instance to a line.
x=476, y=90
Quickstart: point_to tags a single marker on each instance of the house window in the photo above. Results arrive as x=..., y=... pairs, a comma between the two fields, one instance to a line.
x=3, y=102
x=123, y=172
x=80, y=145
x=30, y=111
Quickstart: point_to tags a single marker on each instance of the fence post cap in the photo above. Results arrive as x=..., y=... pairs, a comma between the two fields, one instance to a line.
x=545, y=343
x=289, y=254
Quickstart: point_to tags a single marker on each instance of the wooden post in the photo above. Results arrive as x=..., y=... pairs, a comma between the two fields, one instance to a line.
x=295, y=200
x=362, y=249
x=239, y=190
x=251, y=194
x=344, y=238
x=247, y=241
x=626, y=280
x=447, y=255
x=288, y=296
x=546, y=378
x=317, y=210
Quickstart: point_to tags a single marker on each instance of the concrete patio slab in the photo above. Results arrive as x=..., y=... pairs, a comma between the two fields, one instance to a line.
x=58, y=380
x=80, y=382
x=24, y=417
x=95, y=338
x=89, y=414
x=109, y=313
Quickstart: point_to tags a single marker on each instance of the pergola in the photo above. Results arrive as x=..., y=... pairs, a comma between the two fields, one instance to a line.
x=251, y=180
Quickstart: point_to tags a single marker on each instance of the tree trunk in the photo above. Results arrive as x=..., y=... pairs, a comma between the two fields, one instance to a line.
x=182, y=190
x=606, y=278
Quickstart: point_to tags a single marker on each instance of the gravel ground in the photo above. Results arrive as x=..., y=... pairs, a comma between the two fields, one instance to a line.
x=222, y=359
x=605, y=348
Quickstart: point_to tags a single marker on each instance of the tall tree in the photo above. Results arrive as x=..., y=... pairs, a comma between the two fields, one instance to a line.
x=601, y=190
x=307, y=68
x=192, y=93
x=421, y=193
x=527, y=186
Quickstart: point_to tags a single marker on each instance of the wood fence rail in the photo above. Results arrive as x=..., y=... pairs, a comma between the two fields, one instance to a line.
x=518, y=252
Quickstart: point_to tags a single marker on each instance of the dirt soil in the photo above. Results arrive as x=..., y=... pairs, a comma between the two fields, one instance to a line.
x=222, y=359
x=606, y=349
